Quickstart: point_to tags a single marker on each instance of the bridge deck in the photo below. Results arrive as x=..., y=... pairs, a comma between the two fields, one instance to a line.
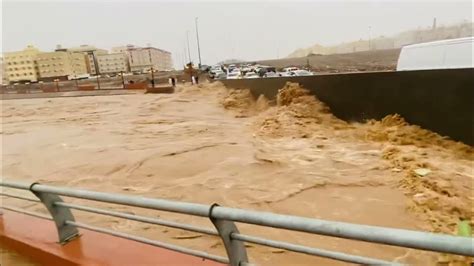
x=37, y=239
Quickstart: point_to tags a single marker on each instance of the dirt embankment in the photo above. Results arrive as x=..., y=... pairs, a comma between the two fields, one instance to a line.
x=436, y=172
x=379, y=60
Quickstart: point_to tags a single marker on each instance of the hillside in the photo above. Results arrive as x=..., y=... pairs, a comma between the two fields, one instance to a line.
x=351, y=62
x=391, y=42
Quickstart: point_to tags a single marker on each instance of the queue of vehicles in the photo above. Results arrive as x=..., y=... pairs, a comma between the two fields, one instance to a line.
x=248, y=71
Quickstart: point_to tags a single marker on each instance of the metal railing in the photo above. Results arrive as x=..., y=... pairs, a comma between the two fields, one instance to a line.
x=223, y=219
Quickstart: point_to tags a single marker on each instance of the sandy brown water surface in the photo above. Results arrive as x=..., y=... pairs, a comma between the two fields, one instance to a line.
x=208, y=145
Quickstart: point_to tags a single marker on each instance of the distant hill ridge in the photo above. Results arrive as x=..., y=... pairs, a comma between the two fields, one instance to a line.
x=380, y=43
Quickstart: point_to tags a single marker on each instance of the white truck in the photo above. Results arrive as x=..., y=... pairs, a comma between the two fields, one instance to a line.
x=445, y=54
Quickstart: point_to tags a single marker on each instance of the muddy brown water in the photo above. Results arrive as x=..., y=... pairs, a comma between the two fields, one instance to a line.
x=186, y=146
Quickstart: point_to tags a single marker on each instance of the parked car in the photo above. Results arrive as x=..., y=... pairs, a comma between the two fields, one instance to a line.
x=271, y=75
x=234, y=75
x=251, y=75
x=217, y=73
x=284, y=74
x=290, y=69
x=301, y=72
x=264, y=69
x=220, y=75
x=215, y=70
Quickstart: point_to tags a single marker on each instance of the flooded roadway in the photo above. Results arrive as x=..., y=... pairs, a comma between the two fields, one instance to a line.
x=206, y=145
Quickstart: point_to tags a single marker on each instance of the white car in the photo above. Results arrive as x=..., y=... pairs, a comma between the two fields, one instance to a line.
x=270, y=75
x=301, y=73
x=215, y=71
x=220, y=75
x=251, y=75
x=290, y=69
x=234, y=75
x=284, y=74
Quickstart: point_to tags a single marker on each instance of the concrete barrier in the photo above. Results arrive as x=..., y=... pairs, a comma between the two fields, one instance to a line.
x=49, y=89
x=439, y=100
x=86, y=87
x=161, y=89
x=136, y=86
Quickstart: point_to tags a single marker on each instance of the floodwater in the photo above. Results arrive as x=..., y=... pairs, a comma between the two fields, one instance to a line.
x=206, y=144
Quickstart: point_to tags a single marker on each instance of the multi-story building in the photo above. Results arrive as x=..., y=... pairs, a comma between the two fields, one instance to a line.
x=60, y=65
x=143, y=59
x=3, y=77
x=112, y=63
x=20, y=65
x=91, y=56
x=123, y=49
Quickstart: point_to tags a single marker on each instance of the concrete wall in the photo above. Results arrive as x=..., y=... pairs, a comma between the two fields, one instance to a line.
x=439, y=100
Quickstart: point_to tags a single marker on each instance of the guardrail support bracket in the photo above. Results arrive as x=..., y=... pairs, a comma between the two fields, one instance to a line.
x=59, y=214
x=235, y=249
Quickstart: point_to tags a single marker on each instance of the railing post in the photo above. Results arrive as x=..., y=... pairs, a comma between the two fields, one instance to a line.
x=59, y=214
x=235, y=249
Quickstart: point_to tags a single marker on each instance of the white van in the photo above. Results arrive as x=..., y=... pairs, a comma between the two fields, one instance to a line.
x=290, y=69
x=445, y=54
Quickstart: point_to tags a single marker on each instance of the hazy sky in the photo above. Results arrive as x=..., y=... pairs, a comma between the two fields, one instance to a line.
x=228, y=29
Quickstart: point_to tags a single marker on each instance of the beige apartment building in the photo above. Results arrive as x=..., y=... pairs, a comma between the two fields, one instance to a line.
x=60, y=65
x=123, y=49
x=20, y=65
x=112, y=63
x=143, y=59
x=3, y=77
x=91, y=53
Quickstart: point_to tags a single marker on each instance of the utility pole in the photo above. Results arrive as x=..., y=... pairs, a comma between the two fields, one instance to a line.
x=197, y=37
x=370, y=38
x=152, y=78
x=98, y=82
x=189, y=51
x=185, y=56
x=123, y=79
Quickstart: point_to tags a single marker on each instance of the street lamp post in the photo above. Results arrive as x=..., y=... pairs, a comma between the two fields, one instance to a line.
x=189, y=51
x=152, y=78
x=370, y=38
x=197, y=37
x=123, y=79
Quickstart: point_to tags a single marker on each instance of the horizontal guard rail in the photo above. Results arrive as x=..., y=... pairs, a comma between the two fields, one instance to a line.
x=196, y=253
x=224, y=218
x=139, y=218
